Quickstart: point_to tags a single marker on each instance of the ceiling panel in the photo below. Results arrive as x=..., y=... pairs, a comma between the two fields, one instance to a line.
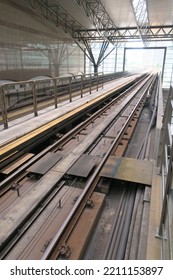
x=160, y=12
x=76, y=12
x=120, y=11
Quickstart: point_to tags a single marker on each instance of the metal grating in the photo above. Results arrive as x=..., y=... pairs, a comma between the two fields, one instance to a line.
x=44, y=164
x=83, y=166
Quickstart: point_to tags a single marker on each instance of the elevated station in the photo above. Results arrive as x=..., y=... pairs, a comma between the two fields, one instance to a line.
x=86, y=130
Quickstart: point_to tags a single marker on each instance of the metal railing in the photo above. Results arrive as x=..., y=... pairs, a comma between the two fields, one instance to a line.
x=33, y=91
x=165, y=163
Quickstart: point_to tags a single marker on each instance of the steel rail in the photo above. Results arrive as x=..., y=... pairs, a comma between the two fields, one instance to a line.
x=21, y=231
x=26, y=142
x=113, y=249
x=63, y=233
x=28, y=222
x=132, y=224
x=88, y=193
x=65, y=138
x=115, y=227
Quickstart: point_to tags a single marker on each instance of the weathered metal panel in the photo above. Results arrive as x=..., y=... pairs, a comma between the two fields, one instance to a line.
x=45, y=163
x=83, y=166
x=128, y=169
x=16, y=164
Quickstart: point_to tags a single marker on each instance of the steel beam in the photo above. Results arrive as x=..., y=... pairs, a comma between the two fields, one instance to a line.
x=105, y=30
x=153, y=33
x=54, y=13
x=100, y=18
x=141, y=17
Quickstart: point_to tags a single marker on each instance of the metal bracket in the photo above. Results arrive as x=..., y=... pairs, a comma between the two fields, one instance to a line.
x=15, y=186
x=157, y=234
x=46, y=245
x=65, y=251
x=89, y=203
x=75, y=199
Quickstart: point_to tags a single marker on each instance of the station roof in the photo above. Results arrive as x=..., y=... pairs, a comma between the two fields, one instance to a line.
x=128, y=19
x=50, y=21
x=121, y=11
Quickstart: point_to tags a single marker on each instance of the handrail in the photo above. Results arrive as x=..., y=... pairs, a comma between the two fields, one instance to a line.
x=33, y=86
x=166, y=170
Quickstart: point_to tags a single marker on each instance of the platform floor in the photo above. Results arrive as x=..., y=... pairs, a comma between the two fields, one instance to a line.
x=22, y=126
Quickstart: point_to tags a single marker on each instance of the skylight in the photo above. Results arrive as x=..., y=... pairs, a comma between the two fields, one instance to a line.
x=141, y=16
x=140, y=10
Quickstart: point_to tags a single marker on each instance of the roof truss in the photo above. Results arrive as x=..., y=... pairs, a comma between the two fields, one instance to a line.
x=141, y=16
x=100, y=19
x=53, y=12
x=105, y=30
x=152, y=33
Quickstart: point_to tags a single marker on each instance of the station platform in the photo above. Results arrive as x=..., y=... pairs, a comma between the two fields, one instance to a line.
x=28, y=127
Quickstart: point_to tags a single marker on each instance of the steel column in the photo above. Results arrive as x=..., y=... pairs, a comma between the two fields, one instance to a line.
x=34, y=91
x=4, y=108
x=82, y=85
x=70, y=95
x=55, y=92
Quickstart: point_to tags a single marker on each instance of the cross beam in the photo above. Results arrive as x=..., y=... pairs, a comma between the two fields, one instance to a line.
x=152, y=33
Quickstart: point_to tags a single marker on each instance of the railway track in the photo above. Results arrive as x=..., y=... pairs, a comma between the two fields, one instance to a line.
x=127, y=238
x=35, y=198
x=19, y=146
